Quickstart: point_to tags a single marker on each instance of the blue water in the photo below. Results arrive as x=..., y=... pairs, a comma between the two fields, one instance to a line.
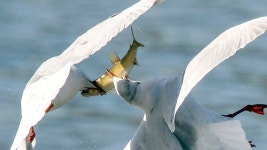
x=173, y=32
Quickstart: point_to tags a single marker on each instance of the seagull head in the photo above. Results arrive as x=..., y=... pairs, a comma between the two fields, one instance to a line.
x=125, y=88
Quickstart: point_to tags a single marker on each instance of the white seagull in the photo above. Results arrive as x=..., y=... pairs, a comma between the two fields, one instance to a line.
x=57, y=80
x=173, y=120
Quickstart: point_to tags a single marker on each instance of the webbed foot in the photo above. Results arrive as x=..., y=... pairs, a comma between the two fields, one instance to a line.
x=256, y=108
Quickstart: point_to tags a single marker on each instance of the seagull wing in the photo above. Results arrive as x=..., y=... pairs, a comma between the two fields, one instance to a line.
x=223, y=47
x=98, y=36
x=36, y=98
x=38, y=95
x=48, y=80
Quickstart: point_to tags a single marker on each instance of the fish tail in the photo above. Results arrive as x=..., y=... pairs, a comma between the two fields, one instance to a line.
x=136, y=43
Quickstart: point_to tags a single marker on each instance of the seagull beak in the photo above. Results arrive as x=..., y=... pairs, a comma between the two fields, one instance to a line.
x=110, y=74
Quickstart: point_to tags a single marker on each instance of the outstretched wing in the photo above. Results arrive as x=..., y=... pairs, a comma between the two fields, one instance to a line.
x=223, y=47
x=37, y=96
x=98, y=36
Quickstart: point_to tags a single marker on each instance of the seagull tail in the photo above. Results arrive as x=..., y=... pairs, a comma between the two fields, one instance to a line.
x=21, y=141
x=230, y=134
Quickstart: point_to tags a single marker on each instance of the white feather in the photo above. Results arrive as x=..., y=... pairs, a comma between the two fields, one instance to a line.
x=223, y=47
x=57, y=80
x=98, y=36
x=173, y=120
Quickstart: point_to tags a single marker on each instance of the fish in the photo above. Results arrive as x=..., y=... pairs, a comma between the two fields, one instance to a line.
x=121, y=68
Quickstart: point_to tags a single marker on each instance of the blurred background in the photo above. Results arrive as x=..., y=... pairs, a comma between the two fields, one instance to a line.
x=172, y=32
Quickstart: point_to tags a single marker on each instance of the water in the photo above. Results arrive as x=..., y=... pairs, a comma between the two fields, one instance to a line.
x=172, y=33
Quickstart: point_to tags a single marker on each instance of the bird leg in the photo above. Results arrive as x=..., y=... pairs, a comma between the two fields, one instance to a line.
x=32, y=134
x=257, y=108
x=49, y=107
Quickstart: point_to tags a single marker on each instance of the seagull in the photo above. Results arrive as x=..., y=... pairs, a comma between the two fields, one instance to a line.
x=173, y=119
x=57, y=80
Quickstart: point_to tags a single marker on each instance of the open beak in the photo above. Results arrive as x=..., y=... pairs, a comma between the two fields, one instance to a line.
x=110, y=73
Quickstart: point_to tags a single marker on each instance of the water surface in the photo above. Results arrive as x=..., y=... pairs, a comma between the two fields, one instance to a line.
x=173, y=32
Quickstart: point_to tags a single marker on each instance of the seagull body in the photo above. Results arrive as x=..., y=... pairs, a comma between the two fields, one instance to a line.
x=196, y=127
x=57, y=80
x=173, y=120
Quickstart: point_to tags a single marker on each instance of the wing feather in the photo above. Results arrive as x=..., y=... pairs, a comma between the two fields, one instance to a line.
x=98, y=36
x=223, y=47
x=36, y=98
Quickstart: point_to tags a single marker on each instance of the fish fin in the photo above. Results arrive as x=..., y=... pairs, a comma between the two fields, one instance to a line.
x=114, y=57
x=134, y=41
x=136, y=62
